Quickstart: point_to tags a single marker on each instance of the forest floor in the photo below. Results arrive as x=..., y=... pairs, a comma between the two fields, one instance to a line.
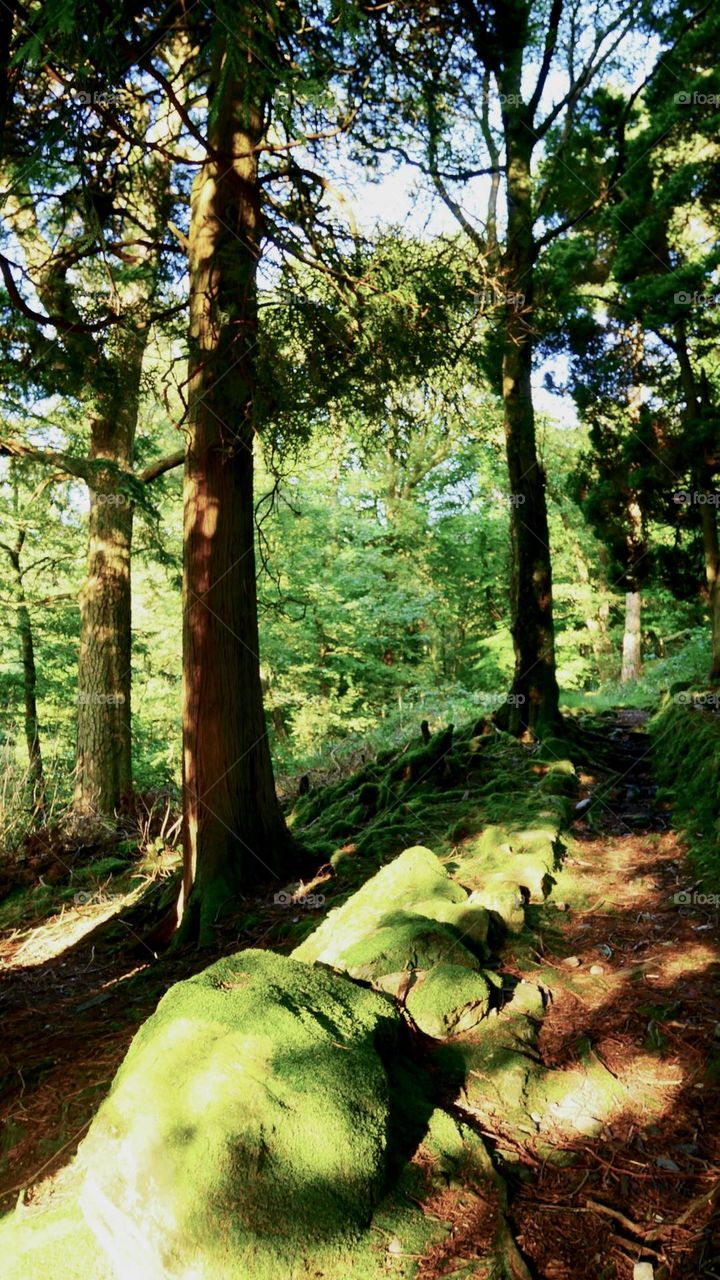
x=632, y=983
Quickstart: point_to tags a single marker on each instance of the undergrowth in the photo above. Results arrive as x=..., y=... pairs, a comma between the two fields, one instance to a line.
x=686, y=750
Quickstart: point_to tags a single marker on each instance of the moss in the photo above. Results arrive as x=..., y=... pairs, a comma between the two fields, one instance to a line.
x=448, y=1000
x=553, y=749
x=55, y=1242
x=505, y=906
x=271, y=1142
x=404, y=942
x=560, y=779
x=415, y=876
x=686, y=762
x=468, y=918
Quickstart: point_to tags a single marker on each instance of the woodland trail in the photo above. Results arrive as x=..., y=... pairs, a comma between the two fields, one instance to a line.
x=610, y=1156
x=633, y=983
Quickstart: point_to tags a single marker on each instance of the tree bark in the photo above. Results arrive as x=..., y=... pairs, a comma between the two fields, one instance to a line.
x=103, y=778
x=234, y=831
x=636, y=539
x=632, y=654
x=27, y=649
x=534, y=695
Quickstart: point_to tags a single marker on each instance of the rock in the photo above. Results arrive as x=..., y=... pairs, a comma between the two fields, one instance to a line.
x=469, y=918
x=505, y=903
x=528, y=999
x=596, y=970
x=406, y=942
x=508, y=858
x=248, y=1123
x=411, y=915
x=572, y=962
x=448, y=1001
x=415, y=876
x=643, y=1271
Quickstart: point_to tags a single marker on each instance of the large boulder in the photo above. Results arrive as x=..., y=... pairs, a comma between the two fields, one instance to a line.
x=411, y=915
x=247, y=1129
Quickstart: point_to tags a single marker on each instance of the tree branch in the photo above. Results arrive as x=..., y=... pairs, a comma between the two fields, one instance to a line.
x=159, y=468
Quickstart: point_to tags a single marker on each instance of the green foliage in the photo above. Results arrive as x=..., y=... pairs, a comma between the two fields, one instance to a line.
x=686, y=760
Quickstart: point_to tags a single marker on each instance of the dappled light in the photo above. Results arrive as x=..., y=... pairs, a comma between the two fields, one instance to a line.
x=360, y=676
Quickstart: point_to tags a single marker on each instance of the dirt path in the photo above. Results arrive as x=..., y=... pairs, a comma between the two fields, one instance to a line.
x=633, y=981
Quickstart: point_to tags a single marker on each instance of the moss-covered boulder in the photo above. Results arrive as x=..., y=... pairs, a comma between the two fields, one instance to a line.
x=247, y=1128
x=404, y=942
x=468, y=918
x=505, y=867
x=505, y=905
x=37, y=1243
x=448, y=1001
x=410, y=915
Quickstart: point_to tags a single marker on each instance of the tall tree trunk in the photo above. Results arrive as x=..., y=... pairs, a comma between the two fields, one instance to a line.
x=636, y=541
x=103, y=779
x=234, y=831
x=534, y=695
x=104, y=730
x=27, y=649
x=631, y=653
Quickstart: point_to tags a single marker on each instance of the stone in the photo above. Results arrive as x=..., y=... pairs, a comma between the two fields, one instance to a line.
x=249, y=1119
x=448, y=1001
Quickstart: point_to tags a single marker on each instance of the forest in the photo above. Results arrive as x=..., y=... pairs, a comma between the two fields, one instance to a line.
x=360, y=675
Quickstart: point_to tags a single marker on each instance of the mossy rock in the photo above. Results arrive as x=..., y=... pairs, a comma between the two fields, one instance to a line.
x=498, y=1067
x=470, y=919
x=504, y=859
x=404, y=942
x=414, y=876
x=448, y=1000
x=247, y=1127
x=53, y=1242
x=521, y=870
x=505, y=905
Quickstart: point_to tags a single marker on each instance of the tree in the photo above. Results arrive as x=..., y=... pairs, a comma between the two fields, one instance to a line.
x=122, y=203
x=493, y=104
x=13, y=551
